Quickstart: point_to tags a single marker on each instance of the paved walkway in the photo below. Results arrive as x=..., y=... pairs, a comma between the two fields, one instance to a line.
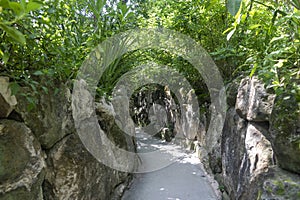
x=183, y=179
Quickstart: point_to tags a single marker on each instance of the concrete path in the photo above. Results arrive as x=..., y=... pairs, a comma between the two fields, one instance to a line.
x=183, y=179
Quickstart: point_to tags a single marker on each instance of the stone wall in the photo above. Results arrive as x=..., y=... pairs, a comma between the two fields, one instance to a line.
x=42, y=157
x=259, y=147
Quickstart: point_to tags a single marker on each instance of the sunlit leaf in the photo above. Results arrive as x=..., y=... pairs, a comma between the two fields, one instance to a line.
x=14, y=33
x=16, y=7
x=23, y=4
x=229, y=35
x=122, y=6
x=254, y=26
x=278, y=38
x=31, y=6
x=280, y=63
x=227, y=30
x=253, y=70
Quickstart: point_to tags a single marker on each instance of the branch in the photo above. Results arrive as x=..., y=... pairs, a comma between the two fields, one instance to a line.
x=271, y=8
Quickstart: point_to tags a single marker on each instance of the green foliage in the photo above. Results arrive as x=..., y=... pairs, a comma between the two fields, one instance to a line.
x=295, y=3
x=56, y=37
x=267, y=34
x=233, y=6
x=202, y=20
x=13, y=33
x=15, y=11
x=59, y=35
x=50, y=40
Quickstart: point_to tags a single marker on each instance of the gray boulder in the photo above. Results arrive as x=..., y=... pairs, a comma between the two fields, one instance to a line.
x=51, y=118
x=73, y=173
x=246, y=155
x=99, y=133
x=7, y=101
x=280, y=185
x=258, y=148
x=21, y=162
x=233, y=150
x=254, y=102
x=275, y=184
x=116, y=130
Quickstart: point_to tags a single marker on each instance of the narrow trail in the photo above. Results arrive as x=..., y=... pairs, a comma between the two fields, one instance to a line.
x=180, y=178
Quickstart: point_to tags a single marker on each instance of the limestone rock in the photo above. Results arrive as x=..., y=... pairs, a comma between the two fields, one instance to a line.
x=233, y=150
x=115, y=132
x=7, y=101
x=100, y=134
x=242, y=101
x=213, y=140
x=246, y=154
x=215, y=160
x=73, y=173
x=82, y=102
x=21, y=162
x=209, y=141
x=231, y=92
x=189, y=114
x=121, y=114
x=259, y=150
x=280, y=185
x=284, y=132
x=202, y=129
x=274, y=184
x=51, y=119
x=253, y=102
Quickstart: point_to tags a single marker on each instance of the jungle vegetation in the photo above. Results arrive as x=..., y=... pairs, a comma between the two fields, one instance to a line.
x=42, y=42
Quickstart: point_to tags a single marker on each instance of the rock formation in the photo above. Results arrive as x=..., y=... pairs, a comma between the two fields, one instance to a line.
x=260, y=138
x=41, y=155
x=7, y=101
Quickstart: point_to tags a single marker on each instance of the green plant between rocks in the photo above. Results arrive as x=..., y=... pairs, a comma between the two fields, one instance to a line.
x=49, y=40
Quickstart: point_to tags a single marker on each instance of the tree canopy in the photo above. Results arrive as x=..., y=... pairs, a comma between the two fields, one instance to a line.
x=244, y=37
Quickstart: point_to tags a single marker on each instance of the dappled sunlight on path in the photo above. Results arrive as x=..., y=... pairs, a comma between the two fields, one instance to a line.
x=183, y=179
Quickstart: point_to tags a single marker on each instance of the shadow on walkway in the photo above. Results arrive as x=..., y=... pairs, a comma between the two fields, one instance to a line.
x=183, y=179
